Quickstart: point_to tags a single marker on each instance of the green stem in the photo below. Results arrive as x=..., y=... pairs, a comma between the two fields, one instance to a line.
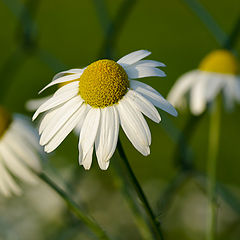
x=124, y=186
x=155, y=224
x=211, y=169
x=75, y=208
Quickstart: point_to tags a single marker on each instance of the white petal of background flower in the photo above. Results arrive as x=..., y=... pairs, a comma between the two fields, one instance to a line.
x=34, y=104
x=7, y=183
x=198, y=95
x=14, y=164
x=23, y=149
x=182, y=85
x=214, y=85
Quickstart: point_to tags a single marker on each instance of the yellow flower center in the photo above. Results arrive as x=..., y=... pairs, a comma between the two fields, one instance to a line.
x=103, y=83
x=5, y=120
x=220, y=61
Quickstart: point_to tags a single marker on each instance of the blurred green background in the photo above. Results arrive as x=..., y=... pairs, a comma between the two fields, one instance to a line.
x=71, y=34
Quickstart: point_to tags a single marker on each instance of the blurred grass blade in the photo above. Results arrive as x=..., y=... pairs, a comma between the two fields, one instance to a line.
x=115, y=27
x=233, y=37
x=103, y=16
x=74, y=207
x=170, y=191
x=208, y=20
x=221, y=191
x=123, y=184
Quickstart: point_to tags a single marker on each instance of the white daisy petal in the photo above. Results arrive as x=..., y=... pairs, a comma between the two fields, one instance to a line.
x=141, y=72
x=131, y=122
x=34, y=104
x=62, y=95
x=107, y=136
x=214, y=86
x=237, y=89
x=19, y=147
x=59, y=119
x=133, y=57
x=197, y=96
x=89, y=132
x=24, y=129
x=7, y=183
x=143, y=105
x=79, y=115
x=87, y=161
x=149, y=63
x=62, y=80
x=47, y=118
x=153, y=96
x=15, y=166
x=181, y=87
x=228, y=94
x=71, y=71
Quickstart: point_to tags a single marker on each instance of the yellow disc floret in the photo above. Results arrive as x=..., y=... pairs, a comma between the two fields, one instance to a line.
x=5, y=120
x=220, y=61
x=103, y=83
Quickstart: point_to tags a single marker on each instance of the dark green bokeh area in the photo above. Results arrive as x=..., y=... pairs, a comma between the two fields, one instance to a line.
x=71, y=34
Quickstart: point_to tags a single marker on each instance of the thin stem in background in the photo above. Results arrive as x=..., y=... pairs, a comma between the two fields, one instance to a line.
x=75, y=208
x=123, y=184
x=211, y=169
x=171, y=190
x=155, y=224
x=208, y=20
x=115, y=27
x=26, y=35
x=233, y=36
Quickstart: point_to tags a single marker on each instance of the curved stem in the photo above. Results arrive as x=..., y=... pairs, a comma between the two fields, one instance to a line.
x=75, y=208
x=139, y=219
x=211, y=169
x=155, y=224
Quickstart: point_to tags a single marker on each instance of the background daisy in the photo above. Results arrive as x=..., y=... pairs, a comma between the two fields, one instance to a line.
x=218, y=72
x=19, y=152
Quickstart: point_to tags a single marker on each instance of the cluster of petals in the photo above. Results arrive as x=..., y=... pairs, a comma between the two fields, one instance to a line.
x=99, y=127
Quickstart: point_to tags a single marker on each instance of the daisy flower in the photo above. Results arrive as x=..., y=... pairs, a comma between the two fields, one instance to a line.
x=98, y=99
x=218, y=72
x=19, y=152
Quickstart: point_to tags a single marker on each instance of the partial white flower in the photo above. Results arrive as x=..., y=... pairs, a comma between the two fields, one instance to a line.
x=19, y=152
x=98, y=99
x=218, y=72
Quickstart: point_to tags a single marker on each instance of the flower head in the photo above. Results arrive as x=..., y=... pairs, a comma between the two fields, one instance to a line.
x=19, y=151
x=217, y=72
x=98, y=99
